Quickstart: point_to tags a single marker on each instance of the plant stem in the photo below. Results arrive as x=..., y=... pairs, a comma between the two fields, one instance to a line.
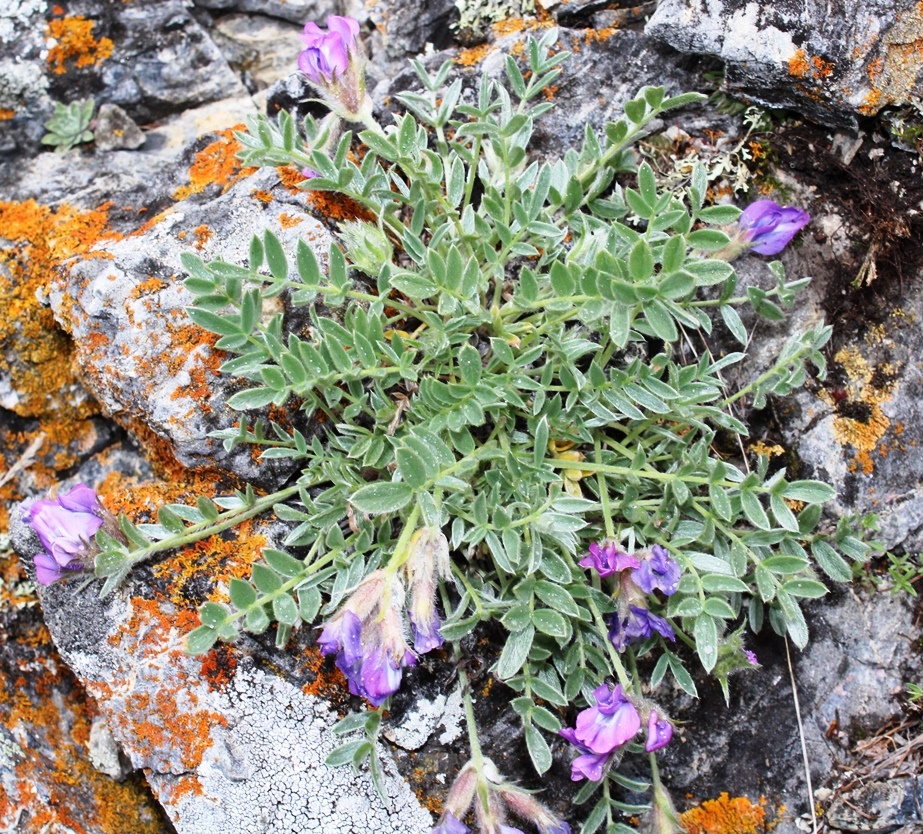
x=208, y=528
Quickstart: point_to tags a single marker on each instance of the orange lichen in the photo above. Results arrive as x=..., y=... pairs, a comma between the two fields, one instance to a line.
x=202, y=235
x=35, y=243
x=600, y=35
x=798, y=65
x=215, y=165
x=333, y=206
x=53, y=786
x=261, y=195
x=6, y=115
x=725, y=815
x=472, y=56
x=219, y=666
x=73, y=38
x=860, y=422
x=822, y=68
x=291, y=178
x=288, y=221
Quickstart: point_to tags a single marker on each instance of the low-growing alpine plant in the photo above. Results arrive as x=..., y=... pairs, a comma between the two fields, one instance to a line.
x=516, y=424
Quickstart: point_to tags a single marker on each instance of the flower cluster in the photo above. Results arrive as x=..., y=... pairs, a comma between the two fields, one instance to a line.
x=638, y=578
x=65, y=526
x=334, y=62
x=368, y=633
x=501, y=799
x=603, y=729
x=766, y=227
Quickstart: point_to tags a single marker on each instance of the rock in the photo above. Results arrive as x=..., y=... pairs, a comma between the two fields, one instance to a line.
x=147, y=364
x=847, y=678
x=225, y=745
x=105, y=754
x=47, y=782
x=114, y=130
x=295, y=11
x=833, y=64
x=158, y=60
x=404, y=28
x=879, y=807
x=24, y=101
x=260, y=49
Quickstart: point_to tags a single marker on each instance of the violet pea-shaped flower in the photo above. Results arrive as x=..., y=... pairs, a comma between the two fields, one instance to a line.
x=588, y=765
x=65, y=526
x=607, y=559
x=326, y=55
x=768, y=227
x=657, y=571
x=659, y=732
x=611, y=723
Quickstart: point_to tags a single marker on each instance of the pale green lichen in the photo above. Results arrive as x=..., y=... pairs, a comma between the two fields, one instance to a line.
x=477, y=16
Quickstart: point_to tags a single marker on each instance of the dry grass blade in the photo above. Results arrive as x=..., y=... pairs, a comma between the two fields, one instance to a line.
x=26, y=459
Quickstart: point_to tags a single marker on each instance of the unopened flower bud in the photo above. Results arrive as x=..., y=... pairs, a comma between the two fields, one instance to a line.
x=367, y=245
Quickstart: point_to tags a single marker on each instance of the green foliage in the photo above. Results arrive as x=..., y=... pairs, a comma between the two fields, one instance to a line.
x=70, y=124
x=523, y=369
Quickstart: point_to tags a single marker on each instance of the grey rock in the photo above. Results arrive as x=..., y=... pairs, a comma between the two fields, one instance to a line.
x=295, y=11
x=163, y=62
x=850, y=673
x=403, y=28
x=114, y=130
x=105, y=754
x=143, y=359
x=261, y=49
x=879, y=807
x=24, y=99
x=831, y=61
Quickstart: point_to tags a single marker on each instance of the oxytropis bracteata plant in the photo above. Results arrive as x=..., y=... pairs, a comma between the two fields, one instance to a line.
x=519, y=411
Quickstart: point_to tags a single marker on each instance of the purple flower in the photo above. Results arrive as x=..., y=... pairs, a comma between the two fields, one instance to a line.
x=751, y=657
x=600, y=731
x=426, y=636
x=65, y=526
x=606, y=559
x=609, y=724
x=638, y=624
x=309, y=173
x=588, y=765
x=657, y=571
x=659, y=732
x=47, y=570
x=367, y=636
x=381, y=675
x=450, y=825
x=768, y=227
x=327, y=54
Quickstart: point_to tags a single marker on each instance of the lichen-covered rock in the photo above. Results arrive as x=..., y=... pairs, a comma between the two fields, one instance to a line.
x=125, y=308
x=114, y=130
x=226, y=746
x=832, y=62
x=47, y=780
